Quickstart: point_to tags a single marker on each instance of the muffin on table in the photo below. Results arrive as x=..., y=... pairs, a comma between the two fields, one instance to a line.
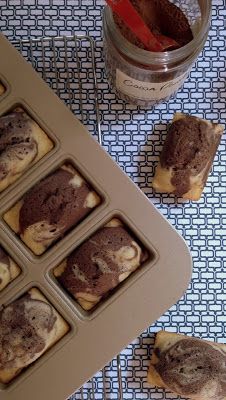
x=187, y=156
x=190, y=367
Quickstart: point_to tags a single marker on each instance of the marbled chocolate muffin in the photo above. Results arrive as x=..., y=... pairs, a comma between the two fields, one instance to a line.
x=28, y=327
x=190, y=367
x=51, y=208
x=187, y=156
x=22, y=144
x=98, y=265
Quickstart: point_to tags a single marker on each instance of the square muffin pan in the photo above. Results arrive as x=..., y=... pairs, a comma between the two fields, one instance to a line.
x=96, y=335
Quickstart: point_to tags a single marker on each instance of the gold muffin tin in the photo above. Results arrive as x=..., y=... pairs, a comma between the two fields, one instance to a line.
x=94, y=337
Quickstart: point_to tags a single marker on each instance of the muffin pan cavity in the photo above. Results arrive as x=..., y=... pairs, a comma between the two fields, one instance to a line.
x=29, y=326
x=113, y=265
x=53, y=206
x=22, y=144
x=91, y=272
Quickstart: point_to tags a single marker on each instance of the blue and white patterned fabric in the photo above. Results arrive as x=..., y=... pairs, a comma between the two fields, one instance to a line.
x=134, y=138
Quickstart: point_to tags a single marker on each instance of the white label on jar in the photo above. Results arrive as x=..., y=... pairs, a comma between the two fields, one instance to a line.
x=147, y=90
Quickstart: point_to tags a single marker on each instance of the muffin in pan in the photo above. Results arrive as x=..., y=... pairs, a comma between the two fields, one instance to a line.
x=9, y=270
x=29, y=326
x=53, y=206
x=190, y=367
x=99, y=264
x=22, y=144
x=187, y=156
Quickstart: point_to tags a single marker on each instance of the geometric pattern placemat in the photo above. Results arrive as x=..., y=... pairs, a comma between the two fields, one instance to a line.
x=134, y=138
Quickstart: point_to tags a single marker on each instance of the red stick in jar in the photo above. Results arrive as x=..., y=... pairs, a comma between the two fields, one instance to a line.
x=135, y=23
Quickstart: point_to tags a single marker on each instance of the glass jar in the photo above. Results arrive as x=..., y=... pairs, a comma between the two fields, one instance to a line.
x=146, y=78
